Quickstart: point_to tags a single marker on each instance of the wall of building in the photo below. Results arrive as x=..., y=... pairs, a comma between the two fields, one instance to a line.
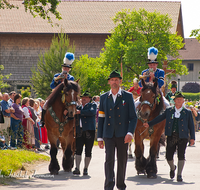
x=20, y=52
x=192, y=76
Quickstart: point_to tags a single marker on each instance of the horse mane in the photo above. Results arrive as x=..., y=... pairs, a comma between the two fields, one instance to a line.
x=158, y=93
x=57, y=91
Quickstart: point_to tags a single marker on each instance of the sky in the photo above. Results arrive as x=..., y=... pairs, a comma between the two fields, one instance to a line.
x=190, y=15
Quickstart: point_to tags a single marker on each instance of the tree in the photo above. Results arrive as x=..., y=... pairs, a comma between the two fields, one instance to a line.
x=134, y=33
x=92, y=74
x=3, y=84
x=195, y=33
x=43, y=8
x=49, y=64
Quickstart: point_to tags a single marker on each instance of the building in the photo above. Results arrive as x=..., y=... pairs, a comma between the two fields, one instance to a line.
x=191, y=58
x=87, y=24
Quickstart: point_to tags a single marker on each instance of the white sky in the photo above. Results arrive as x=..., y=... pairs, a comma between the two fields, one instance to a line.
x=190, y=14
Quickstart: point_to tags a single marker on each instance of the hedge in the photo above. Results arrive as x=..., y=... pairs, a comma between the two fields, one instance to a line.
x=192, y=96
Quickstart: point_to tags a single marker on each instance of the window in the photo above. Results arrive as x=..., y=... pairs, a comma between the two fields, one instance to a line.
x=190, y=66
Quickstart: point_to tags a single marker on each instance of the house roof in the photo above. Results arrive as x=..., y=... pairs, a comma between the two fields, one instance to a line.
x=82, y=16
x=191, y=50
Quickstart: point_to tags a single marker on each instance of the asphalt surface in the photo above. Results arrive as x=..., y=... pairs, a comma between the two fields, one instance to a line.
x=42, y=179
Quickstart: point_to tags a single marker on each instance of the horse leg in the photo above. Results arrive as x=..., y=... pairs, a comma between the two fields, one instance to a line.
x=140, y=162
x=54, y=166
x=151, y=167
x=68, y=157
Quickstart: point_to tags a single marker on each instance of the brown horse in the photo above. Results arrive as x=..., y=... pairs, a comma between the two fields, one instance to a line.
x=151, y=106
x=64, y=97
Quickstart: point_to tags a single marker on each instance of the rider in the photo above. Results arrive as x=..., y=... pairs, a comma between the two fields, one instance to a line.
x=153, y=73
x=170, y=95
x=59, y=77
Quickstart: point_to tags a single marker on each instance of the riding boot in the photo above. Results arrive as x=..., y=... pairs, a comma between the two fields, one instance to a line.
x=78, y=161
x=42, y=118
x=87, y=162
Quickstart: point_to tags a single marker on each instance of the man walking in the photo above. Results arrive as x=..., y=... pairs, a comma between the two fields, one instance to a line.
x=116, y=125
x=179, y=123
x=85, y=131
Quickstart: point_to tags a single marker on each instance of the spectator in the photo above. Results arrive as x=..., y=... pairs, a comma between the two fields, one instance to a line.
x=7, y=110
x=11, y=100
x=34, y=117
x=16, y=122
x=27, y=122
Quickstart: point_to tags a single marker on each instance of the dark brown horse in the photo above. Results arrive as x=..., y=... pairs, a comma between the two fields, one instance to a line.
x=64, y=97
x=151, y=106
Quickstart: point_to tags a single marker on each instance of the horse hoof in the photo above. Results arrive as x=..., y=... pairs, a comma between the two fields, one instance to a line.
x=54, y=172
x=141, y=172
x=69, y=170
x=152, y=176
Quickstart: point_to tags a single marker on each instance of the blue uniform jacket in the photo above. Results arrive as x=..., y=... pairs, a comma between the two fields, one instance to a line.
x=185, y=122
x=159, y=74
x=54, y=84
x=116, y=119
x=87, y=116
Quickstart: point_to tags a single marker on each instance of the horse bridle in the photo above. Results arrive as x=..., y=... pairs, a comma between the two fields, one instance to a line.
x=148, y=103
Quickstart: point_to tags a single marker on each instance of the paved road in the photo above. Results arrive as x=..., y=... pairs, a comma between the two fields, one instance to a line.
x=95, y=180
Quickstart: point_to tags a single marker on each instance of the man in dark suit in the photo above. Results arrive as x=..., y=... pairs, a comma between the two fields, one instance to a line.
x=179, y=123
x=85, y=131
x=116, y=125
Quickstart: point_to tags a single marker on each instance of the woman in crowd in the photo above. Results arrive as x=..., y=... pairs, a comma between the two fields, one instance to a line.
x=34, y=117
x=44, y=138
x=27, y=122
x=16, y=122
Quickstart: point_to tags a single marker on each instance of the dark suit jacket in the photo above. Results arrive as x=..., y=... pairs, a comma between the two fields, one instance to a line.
x=186, y=123
x=87, y=117
x=117, y=118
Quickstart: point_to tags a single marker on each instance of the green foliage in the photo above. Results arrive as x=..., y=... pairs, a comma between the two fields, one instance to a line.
x=3, y=84
x=25, y=92
x=192, y=96
x=134, y=33
x=195, y=33
x=43, y=8
x=92, y=74
x=49, y=64
x=16, y=159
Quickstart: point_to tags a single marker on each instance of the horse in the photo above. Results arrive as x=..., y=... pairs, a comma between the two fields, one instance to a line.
x=64, y=97
x=151, y=106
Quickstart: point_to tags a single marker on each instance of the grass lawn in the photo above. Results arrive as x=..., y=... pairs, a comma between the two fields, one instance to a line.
x=13, y=160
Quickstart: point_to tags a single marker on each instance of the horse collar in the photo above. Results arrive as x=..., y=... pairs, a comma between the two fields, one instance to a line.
x=56, y=120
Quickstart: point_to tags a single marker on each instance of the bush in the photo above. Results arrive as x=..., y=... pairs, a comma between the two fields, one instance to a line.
x=192, y=96
x=191, y=87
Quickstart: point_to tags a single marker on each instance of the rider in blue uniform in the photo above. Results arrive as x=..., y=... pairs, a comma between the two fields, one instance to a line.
x=59, y=77
x=66, y=67
x=152, y=73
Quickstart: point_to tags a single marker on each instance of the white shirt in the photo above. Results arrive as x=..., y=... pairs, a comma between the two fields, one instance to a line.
x=119, y=93
x=26, y=112
x=177, y=112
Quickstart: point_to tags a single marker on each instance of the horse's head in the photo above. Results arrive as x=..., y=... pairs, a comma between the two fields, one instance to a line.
x=70, y=96
x=147, y=99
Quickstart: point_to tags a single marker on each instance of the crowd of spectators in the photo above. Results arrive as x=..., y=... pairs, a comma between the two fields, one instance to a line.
x=20, y=127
